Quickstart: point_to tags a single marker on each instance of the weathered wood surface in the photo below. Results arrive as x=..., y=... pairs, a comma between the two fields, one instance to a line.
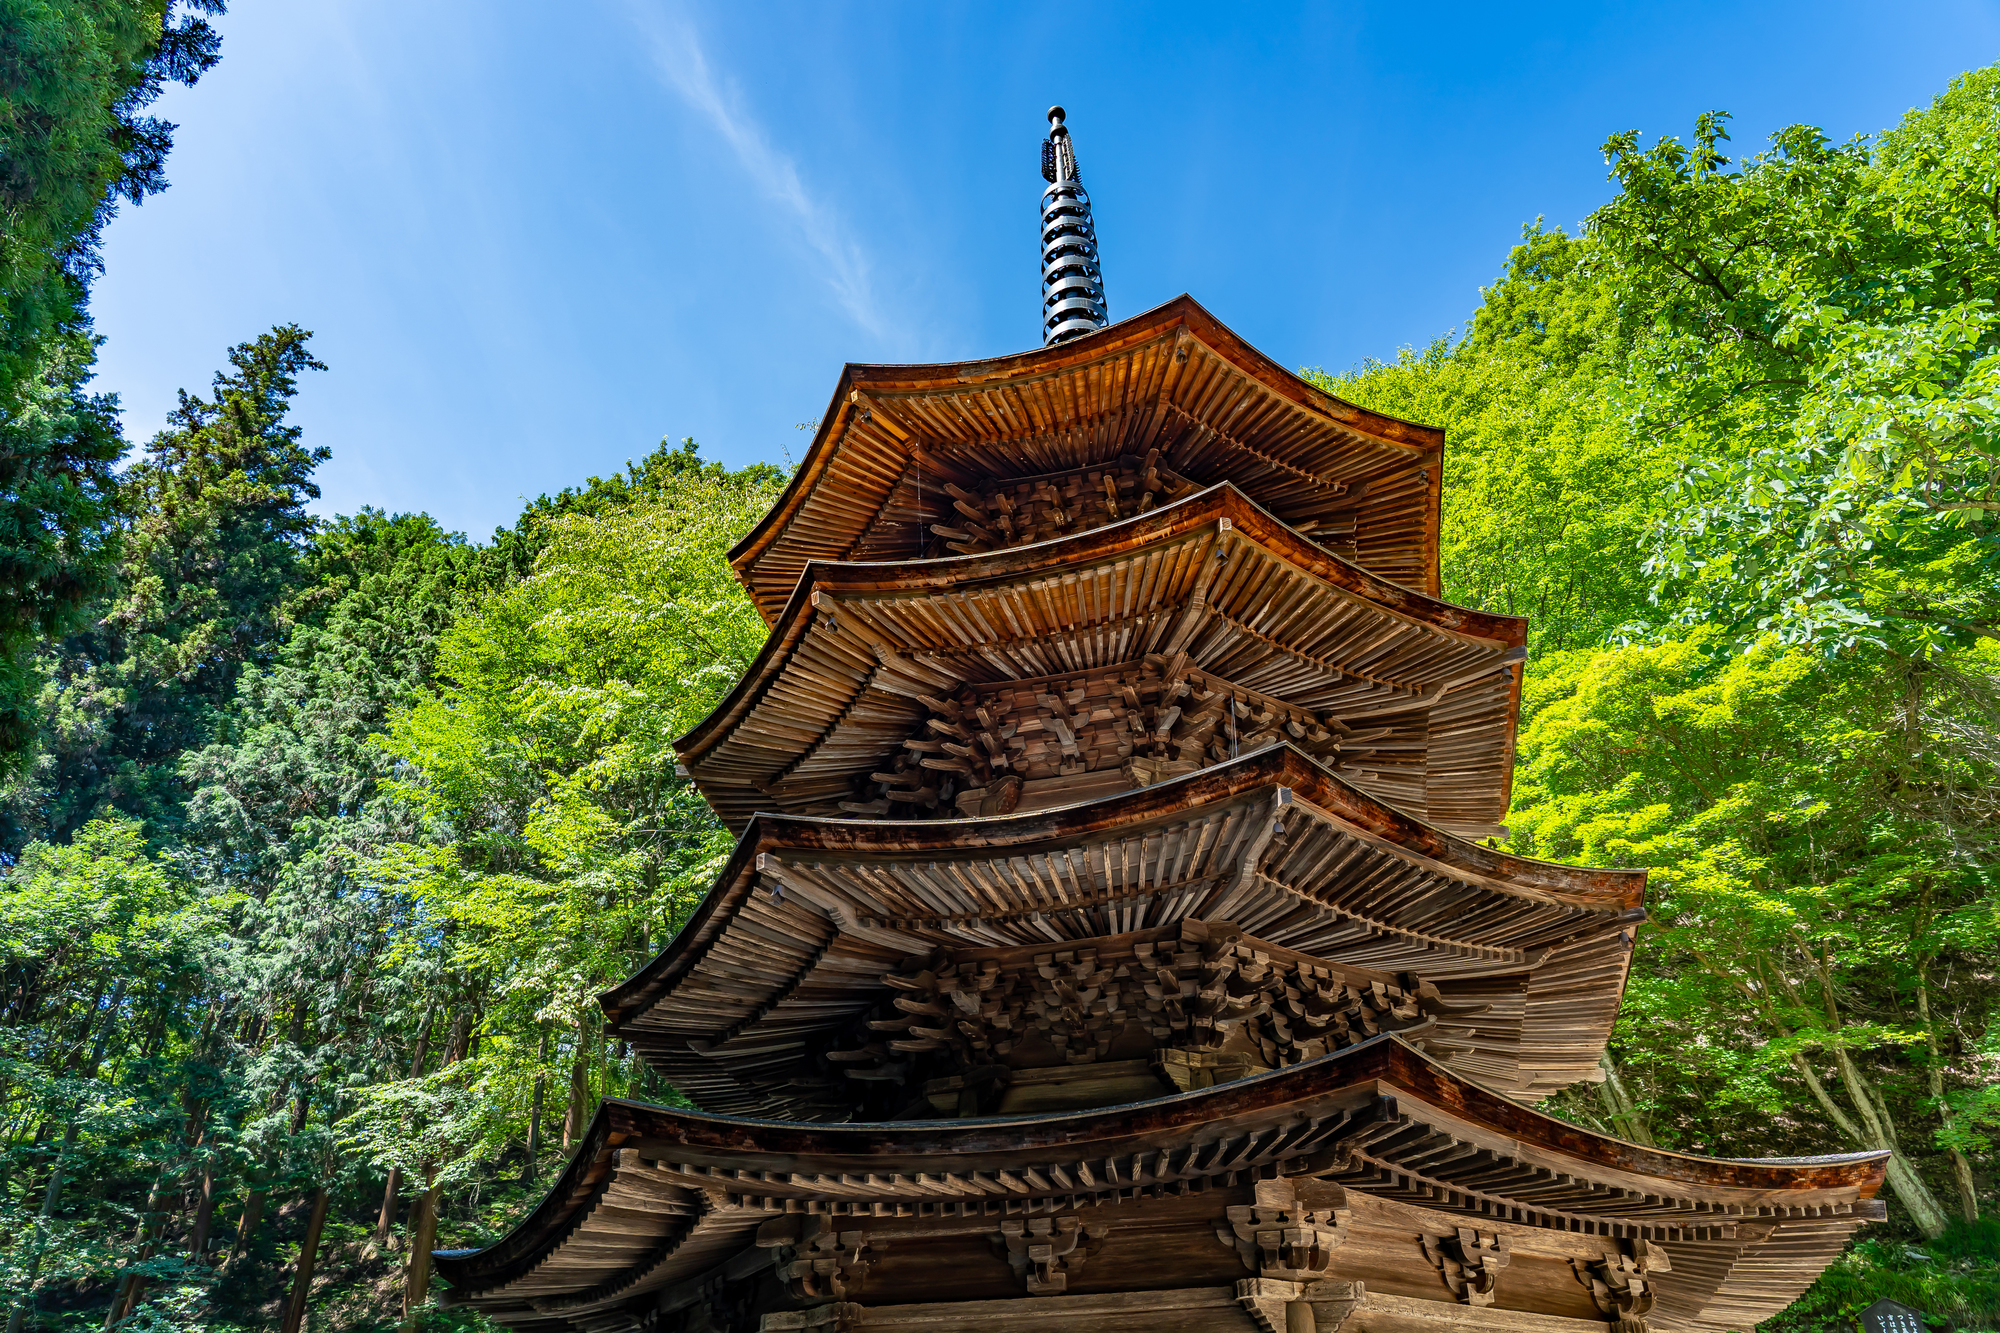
x=1202, y=1002
x=1105, y=924
x=1190, y=1310
x=787, y=955
x=1173, y=385
x=1413, y=698
x=1382, y=1148
x=1026, y=745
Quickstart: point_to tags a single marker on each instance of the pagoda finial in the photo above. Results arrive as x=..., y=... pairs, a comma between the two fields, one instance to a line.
x=1072, y=284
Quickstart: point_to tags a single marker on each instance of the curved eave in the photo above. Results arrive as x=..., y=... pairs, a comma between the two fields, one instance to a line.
x=1051, y=559
x=1609, y=891
x=566, y=1204
x=1381, y=1082
x=820, y=466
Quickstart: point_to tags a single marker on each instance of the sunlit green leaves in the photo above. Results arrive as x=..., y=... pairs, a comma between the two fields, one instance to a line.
x=1822, y=362
x=560, y=848
x=1546, y=493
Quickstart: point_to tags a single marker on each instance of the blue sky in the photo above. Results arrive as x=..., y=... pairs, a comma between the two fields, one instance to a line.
x=533, y=239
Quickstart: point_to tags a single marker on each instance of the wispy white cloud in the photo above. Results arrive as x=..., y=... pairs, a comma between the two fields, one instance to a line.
x=683, y=65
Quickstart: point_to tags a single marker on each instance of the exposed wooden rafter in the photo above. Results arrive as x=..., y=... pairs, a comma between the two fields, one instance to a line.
x=789, y=949
x=1173, y=379
x=1209, y=594
x=1377, y=1137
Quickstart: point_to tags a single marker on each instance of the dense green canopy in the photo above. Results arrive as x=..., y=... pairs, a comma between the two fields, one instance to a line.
x=75, y=79
x=322, y=835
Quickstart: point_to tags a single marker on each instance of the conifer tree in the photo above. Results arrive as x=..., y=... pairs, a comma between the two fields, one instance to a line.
x=215, y=525
x=75, y=79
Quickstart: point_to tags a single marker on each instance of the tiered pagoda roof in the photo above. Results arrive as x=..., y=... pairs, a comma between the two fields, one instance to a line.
x=1114, y=935
x=1371, y=1151
x=1159, y=404
x=799, y=944
x=1088, y=664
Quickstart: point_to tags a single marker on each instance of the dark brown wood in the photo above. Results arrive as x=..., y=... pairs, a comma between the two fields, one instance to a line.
x=1172, y=385
x=1109, y=942
x=249, y=1220
x=417, y=1273
x=1549, y=1197
x=1262, y=614
x=788, y=953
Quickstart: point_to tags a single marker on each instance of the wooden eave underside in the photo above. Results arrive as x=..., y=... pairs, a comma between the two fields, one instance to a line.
x=656, y=1198
x=838, y=683
x=791, y=943
x=1174, y=376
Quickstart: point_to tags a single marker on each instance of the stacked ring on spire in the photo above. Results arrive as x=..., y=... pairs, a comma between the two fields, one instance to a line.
x=1072, y=283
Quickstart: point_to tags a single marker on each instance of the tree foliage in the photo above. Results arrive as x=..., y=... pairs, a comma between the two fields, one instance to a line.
x=1821, y=894
x=1743, y=421
x=215, y=526
x=334, y=829
x=1545, y=497
x=75, y=79
x=1822, y=360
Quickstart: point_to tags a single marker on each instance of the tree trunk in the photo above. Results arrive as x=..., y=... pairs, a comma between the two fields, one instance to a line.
x=423, y=1223
x=295, y=1309
x=1901, y=1177
x=204, y=1217
x=1961, y=1166
x=1625, y=1114
x=1909, y=1187
x=150, y=1225
x=579, y=1088
x=417, y=1274
x=535, y=1112
x=387, y=1218
x=246, y=1226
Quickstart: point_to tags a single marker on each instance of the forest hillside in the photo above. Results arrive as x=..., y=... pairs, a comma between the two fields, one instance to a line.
x=320, y=837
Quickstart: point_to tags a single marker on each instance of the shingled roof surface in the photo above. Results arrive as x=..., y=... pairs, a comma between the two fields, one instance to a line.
x=658, y=1196
x=1173, y=379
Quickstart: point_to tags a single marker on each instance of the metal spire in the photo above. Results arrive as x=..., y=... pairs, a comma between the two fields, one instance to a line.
x=1072, y=285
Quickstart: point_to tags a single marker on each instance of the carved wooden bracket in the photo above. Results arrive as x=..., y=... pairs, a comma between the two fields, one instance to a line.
x=1470, y=1263
x=1278, y=1306
x=814, y=1261
x=838, y=1317
x=1621, y=1283
x=1045, y=1250
x=1291, y=1231
x=1209, y=1003
x=1159, y=718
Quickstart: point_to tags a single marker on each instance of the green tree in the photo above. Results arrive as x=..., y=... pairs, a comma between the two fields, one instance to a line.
x=1768, y=381
x=560, y=849
x=75, y=79
x=101, y=950
x=1821, y=892
x=215, y=529
x=285, y=801
x=1821, y=349
x=1545, y=497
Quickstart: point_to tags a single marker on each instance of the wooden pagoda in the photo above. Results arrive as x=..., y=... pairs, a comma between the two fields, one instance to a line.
x=1110, y=942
